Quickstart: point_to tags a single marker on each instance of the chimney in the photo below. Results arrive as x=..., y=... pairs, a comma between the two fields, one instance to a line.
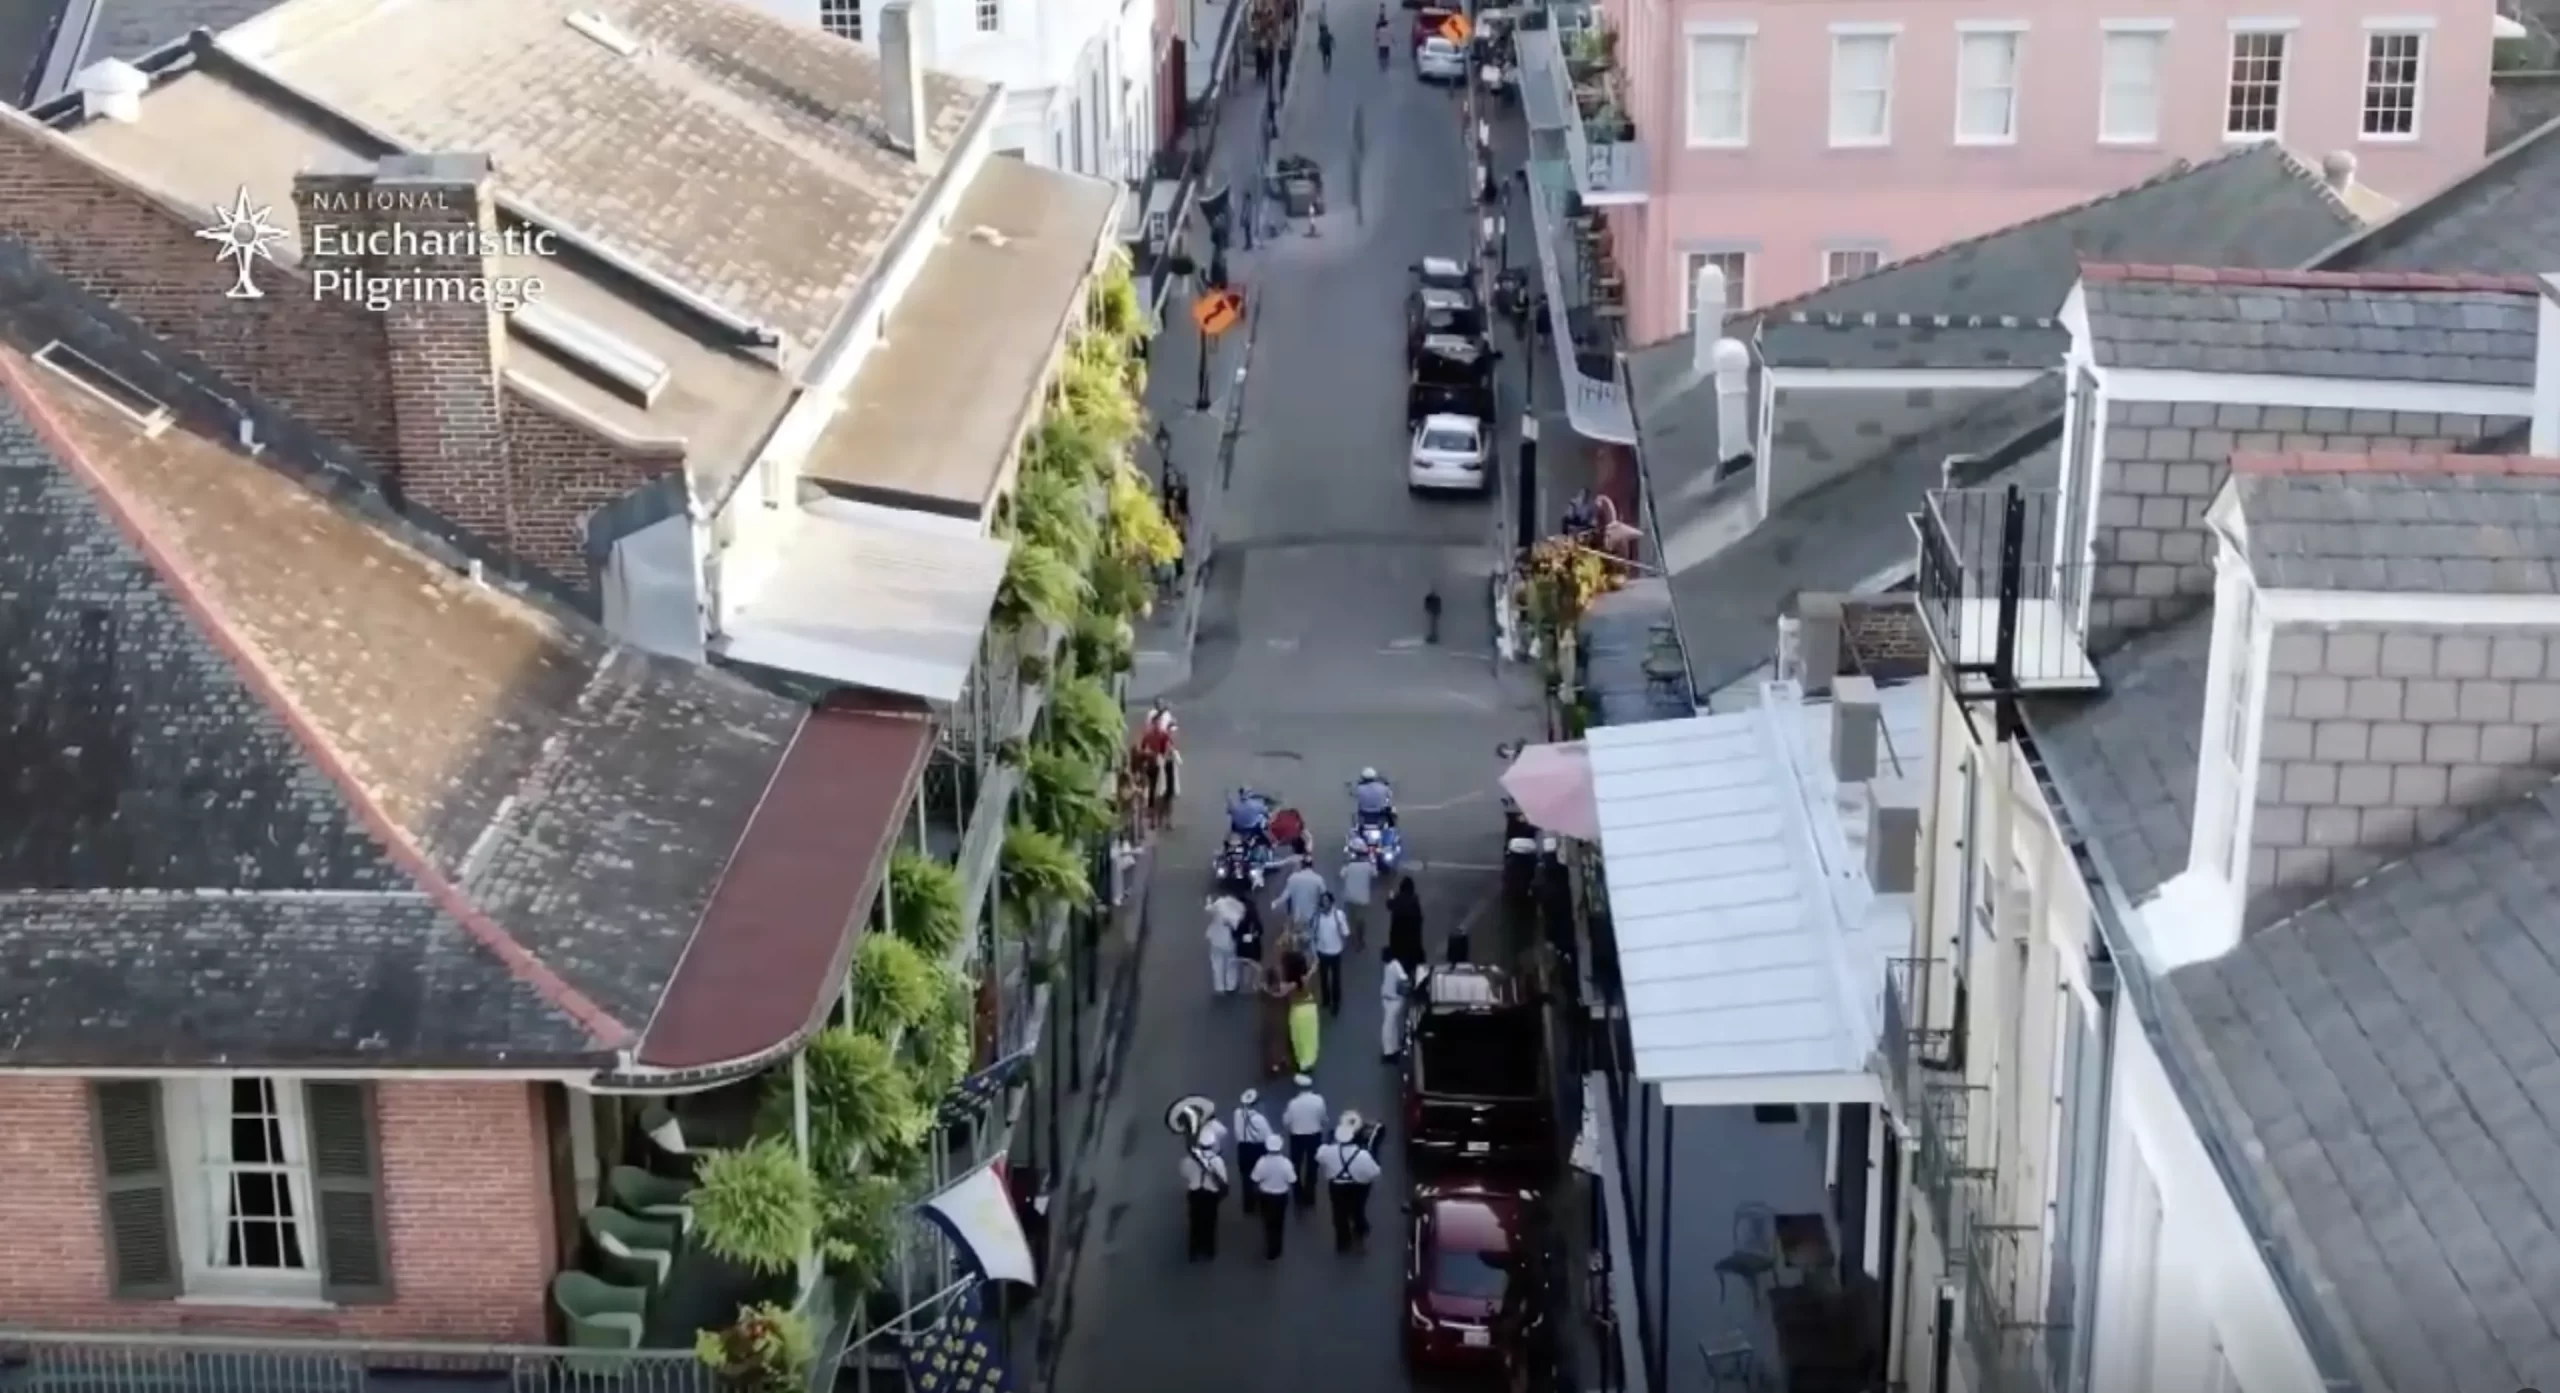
x=2546, y=371
x=2338, y=171
x=1706, y=318
x=444, y=352
x=902, y=79
x=1733, y=400
x=1854, y=721
x=1818, y=644
x=1893, y=836
x=110, y=90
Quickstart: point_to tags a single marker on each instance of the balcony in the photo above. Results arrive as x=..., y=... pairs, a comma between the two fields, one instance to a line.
x=1943, y=1169
x=1609, y=167
x=103, y=1363
x=1918, y=994
x=1585, y=292
x=2001, y=610
x=2010, y=1336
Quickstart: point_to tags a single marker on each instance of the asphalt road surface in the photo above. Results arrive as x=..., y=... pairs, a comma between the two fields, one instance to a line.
x=1311, y=663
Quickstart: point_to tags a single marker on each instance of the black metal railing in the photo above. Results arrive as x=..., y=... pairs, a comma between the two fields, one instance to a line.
x=2010, y=1335
x=98, y=1362
x=1943, y=1167
x=1922, y=1037
x=2000, y=606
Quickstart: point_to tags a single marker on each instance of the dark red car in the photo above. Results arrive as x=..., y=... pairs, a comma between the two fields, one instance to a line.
x=1427, y=20
x=1475, y=1288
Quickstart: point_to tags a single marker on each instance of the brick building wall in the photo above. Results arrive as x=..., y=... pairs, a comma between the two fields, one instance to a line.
x=578, y=472
x=2163, y=464
x=2378, y=740
x=467, y=1201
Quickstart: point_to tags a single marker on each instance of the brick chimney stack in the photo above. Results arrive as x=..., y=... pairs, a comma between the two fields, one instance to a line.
x=391, y=237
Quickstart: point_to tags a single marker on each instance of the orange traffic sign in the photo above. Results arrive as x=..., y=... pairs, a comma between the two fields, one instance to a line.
x=1456, y=29
x=1218, y=311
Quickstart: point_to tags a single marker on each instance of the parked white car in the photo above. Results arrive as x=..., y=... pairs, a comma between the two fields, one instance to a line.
x=1448, y=454
x=1438, y=60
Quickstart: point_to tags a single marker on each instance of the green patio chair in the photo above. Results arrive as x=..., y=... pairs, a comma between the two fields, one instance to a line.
x=658, y=1122
x=634, y=1251
x=664, y=1198
x=600, y=1316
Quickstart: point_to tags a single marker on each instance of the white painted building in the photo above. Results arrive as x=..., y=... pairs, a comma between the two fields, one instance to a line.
x=1078, y=75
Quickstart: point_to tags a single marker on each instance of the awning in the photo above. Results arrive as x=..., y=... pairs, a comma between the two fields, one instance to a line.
x=879, y=598
x=1743, y=986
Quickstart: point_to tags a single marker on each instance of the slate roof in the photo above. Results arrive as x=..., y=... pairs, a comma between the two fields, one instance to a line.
x=2380, y=326
x=26, y=37
x=738, y=154
x=128, y=29
x=1867, y=340
x=2130, y=755
x=2501, y=219
x=2456, y=524
x=2255, y=206
x=237, y=699
x=2387, y=1061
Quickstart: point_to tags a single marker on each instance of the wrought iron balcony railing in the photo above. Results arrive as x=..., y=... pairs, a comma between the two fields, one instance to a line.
x=1923, y=1026
x=1944, y=1169
x=2002, y=581
x=95, y=1362
x=2015, y=1341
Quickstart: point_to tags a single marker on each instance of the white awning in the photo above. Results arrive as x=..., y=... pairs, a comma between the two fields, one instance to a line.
x=1743, y=986
x=881, y=598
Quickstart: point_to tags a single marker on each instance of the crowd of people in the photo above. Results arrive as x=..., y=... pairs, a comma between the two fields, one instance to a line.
x=1283, y=1165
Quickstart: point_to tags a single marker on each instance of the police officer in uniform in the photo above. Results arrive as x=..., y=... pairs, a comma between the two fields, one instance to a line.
x=1251, y=1130
x=1273, y=1178
x=1349, y=1166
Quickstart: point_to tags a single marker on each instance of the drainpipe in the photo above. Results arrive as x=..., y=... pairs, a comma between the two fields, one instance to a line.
x=800, y=1139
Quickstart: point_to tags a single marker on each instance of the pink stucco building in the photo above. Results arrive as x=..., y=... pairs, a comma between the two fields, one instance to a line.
x=1801, y=141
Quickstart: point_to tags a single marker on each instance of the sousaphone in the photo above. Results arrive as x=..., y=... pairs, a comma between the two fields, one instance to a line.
x=1188, y=1115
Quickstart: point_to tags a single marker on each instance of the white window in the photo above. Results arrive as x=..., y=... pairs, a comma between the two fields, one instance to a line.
x=1987, y=87
x=990, y=16
x=1719, y=89
x=2255, y=105
x=2129, y=86
x=1862, y=89
x=2394, y=63
x=1849, y=263
x=842, y=18
x=1737, y=280
x=242, y=1182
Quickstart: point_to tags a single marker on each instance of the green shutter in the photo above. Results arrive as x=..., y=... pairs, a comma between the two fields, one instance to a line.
x=346, y=1185
x=133, y=1188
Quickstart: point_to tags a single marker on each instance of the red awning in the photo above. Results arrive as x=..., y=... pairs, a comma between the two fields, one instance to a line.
x=771, y=950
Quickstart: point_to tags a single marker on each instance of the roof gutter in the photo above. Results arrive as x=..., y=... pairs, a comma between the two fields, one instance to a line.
x=2339, y=1361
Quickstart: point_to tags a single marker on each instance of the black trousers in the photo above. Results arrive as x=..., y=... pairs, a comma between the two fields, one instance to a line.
x=1201, y=1208
x=1245, y=1157
x=1329, y=982
x=1302, y=1155
x=1350, y=1215
x=1275, y=1223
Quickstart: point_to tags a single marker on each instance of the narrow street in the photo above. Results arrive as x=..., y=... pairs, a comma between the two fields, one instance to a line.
x=1311, y=663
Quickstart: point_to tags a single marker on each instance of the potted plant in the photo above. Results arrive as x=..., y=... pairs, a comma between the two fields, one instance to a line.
x=767, y=1349
x=925, y=904
x=1039, y=588
x=1062, y=795
x=892, y=985
x=1086, y=721
x=1051, y=509
x=1035, y=872
x=756, y=1206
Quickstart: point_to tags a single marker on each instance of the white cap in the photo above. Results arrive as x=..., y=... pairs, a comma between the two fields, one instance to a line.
x=1368, y=774
x=1349, y=1126
x=1303, y=1081
x=1273, y=1143
x=1248, y=1098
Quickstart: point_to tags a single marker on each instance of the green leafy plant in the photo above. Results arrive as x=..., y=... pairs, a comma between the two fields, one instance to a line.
x=893, y=985
x=1053, y=512
x=1102, y=645
x=1067, y=447
x=1010, y=752
x=756, y=1206
x=1121, y=588
x=1036, y=872
x=939, y=1050
x=1084, y=720
x=1094, y=384
x=1134, y=524
x=859, y=1236
x=1062, y=795
x=1032, y=669
x=1115, y=309
x=925, y=903
x=861, y=1100
x=768, y=1349
x=1039, y=587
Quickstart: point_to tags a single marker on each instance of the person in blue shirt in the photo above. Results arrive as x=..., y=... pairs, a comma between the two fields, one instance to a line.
x=1374, y=799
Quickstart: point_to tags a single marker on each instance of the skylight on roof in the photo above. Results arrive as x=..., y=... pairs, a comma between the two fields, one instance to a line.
x=625, y=366
x=102, y=383
x=604, y=31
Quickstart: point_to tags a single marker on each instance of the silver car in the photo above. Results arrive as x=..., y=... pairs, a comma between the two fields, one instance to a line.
x=1438, y=60
x=1448, y=454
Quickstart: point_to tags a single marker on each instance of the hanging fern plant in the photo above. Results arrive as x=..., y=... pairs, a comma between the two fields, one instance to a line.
x=1134, y=524
x=1053, y=513
x=1066, y=446
x=1039, y=588
x=1086, y=722
x=858, y=1235
x=757, y=1206
x=1121, y=588
x=1102, y=645
x=1036, y=873
x=1115, y=309
x=1062, y=795
x=861, y=1100
x=938, y=1051
x=925, y=905
x=893, y=985
x=1095, y=385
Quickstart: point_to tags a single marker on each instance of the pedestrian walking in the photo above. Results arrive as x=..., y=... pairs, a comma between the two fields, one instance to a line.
x=1349, y=1169
x=1225, y=912
x=1262, y=61
x=1304, y=1120
x=1331, y=934
x=1252, y=210
x=1404, y=927
x=1382, y=38
x=1273, y=1178
x=1324, y=42
x=1253, y=1134
x=1358, y=881
x=1393, y=985
x=1204, y=1183
x=1300, y=894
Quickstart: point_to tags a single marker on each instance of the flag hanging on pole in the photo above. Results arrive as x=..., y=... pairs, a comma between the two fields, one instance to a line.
x=971, y=1095
x=960, y=1354
x=976, y=1212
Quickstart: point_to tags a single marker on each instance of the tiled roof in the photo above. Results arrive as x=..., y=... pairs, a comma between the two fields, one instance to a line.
x=2256, y=206
x=2381, y=327
x=2456, y=524
x=738, y=154
x=233, y=688
x=26, y=36
x=128, y=29
x=2130, y=754
x=2388, y=1063
x=2503, y=218
x=1810, y=339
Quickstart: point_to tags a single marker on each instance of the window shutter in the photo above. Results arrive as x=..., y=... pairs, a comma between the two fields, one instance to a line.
x=346, y=1184
x=133, y=1190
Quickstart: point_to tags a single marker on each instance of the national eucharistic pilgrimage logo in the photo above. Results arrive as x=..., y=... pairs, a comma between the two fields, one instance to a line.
x=344, y=259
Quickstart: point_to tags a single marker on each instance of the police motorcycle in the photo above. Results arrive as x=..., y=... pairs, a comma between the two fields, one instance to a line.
x=1374, y=837
x=1244, y=858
